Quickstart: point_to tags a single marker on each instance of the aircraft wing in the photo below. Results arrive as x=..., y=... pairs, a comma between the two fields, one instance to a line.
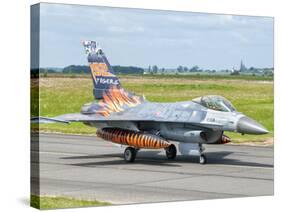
x=96, y=118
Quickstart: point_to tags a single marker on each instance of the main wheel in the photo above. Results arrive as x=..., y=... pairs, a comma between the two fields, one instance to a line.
x=202, y=159
x=171, y=152
x=130, y=154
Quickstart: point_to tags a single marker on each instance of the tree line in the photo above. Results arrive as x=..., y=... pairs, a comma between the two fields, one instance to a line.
x=180, y=69
x=84, y=69
x=81, y=69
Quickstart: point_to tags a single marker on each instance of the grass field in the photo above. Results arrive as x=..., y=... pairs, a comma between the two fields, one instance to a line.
x=49, y=202
x=251, y=95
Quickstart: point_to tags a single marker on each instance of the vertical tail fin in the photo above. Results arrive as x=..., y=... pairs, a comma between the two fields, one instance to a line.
x=101, y=71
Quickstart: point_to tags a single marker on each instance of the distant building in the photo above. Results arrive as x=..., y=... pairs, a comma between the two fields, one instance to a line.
x=242, y=67
x=234, y=72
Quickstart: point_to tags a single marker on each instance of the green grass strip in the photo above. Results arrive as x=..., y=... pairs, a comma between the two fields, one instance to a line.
x=50, y=202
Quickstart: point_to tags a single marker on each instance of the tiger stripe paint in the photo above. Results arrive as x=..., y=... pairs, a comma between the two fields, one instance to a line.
x=116, y=100
x=132, y=138
x=144, y=140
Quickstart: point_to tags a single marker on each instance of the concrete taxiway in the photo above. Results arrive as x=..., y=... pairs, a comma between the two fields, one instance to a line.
x=87, y=167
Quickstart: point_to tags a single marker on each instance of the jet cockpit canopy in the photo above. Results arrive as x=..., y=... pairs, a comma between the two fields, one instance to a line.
x=214, y=102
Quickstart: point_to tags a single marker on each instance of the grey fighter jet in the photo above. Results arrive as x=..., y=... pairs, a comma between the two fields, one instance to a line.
x=132, y=121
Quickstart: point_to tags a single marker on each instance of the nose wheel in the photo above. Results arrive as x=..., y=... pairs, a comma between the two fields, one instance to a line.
x=202, y=157
x=130, y=154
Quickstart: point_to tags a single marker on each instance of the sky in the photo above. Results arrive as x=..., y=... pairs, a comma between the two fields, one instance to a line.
x=137, y=37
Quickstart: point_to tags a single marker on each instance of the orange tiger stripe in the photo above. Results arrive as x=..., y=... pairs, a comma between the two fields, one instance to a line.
x=148, y=141
x=132, y=138
x=122, y=137
x=142, y=140
x=136, y=139
x=139, y=140
x=151, y=142
x=154, y=142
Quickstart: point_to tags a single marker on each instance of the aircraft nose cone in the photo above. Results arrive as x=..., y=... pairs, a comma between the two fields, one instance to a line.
x=249, y=126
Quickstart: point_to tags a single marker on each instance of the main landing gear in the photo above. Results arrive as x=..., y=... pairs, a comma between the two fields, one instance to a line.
x=130, y=154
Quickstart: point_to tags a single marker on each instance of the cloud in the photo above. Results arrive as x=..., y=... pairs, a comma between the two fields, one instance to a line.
x=192, y=37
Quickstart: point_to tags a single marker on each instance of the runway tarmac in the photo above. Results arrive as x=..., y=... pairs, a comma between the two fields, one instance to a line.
x=89, y=168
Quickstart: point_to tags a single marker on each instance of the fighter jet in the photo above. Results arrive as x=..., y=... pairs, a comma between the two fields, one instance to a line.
x=132, y=121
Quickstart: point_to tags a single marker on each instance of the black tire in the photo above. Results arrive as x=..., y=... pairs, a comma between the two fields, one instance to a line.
x=130, y=154
x=171, y=152
x=202, y=159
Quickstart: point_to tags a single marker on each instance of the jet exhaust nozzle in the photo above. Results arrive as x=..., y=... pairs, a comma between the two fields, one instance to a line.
x=246, y=125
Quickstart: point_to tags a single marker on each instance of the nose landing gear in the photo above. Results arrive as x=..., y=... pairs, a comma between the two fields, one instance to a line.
x=202, y=157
